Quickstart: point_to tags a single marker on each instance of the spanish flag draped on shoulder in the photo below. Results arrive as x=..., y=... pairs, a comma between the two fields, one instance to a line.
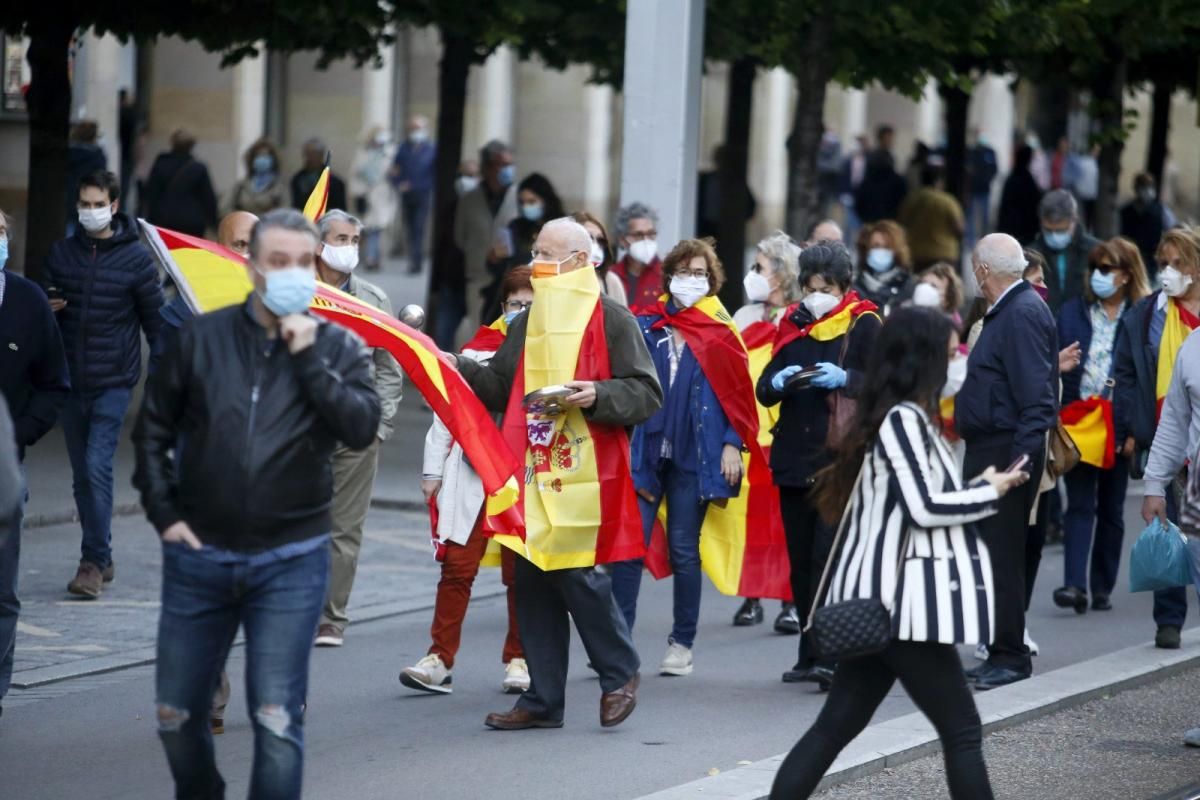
x=759, y=339
x=834, y=324
x=1178, y=326
x=577, y=494
x=211, y=277
x=742, y=546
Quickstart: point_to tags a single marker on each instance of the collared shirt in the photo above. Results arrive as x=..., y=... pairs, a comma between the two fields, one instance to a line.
x=1004, y=294
x=1098, y=367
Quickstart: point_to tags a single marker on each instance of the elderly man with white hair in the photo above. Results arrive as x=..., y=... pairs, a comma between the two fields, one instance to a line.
x=1003, y=412
x=583, y=352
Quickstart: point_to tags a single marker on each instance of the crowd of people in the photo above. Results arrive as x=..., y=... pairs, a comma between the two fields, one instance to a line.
x=914, y=443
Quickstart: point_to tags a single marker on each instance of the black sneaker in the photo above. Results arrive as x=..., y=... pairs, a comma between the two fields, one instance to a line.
x=788, y=621
x=1100, y=602
x=751, y=613
x=1167, y=637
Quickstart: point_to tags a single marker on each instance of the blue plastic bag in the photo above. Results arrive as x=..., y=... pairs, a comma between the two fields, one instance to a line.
x=1159, y=559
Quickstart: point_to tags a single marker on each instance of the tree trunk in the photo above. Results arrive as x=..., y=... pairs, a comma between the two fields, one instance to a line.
x=458, y=53
x=812, y=75
x=1160, y=129
x=1108, y=99
x=957, y=103
x=731, y=242
x=49, y=103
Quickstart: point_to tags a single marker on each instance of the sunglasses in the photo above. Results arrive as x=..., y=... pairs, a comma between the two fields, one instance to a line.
x=1104, y=269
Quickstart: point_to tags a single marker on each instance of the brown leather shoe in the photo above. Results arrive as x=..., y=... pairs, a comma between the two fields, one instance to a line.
x=616, y=706
x=109, y=572
x=518, y=720
x=88, y=581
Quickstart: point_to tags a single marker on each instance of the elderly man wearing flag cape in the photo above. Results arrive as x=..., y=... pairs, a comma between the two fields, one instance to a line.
x=571, y=377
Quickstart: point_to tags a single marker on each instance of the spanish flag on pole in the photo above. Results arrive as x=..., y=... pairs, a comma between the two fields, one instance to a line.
x=742, y=546
x=1090, y=425
x=1178, y=326
x=211, y=277
x=318, y=199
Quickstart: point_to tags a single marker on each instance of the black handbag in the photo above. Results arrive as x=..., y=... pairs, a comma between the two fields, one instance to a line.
x=851, y=629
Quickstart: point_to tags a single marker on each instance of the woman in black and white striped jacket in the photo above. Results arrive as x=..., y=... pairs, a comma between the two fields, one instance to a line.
x=902, y=541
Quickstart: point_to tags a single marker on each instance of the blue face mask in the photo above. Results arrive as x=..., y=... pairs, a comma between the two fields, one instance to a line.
x=3, y=252
x=289, y=290
x=532, y=211
x=1056, y=240
x=880, y=259
x=263, y=163
x=506, y=175
x=509, y=316
x=1103, y=285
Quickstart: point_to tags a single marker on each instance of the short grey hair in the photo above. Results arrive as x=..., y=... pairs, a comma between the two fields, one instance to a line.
x=288, y=219
x=1058, y=206
x=1001, y=253
x=784, y=255
x=315, y=143
x=629, y=213
x=491, y=151
x=325, y=223
x=575, y=235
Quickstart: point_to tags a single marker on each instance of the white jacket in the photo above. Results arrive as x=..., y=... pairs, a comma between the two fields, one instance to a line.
x=461, y=497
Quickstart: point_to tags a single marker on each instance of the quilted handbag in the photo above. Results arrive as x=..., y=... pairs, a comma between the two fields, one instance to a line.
x=854, y=628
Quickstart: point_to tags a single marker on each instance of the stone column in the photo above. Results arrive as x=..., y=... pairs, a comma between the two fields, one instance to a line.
x=249, y=104
x=100, y=81
x=597, y=186
x=379, y=91
x=854, y=116
x=768, y=152
x=664, y=47
x=496, y=95
x=929, y=116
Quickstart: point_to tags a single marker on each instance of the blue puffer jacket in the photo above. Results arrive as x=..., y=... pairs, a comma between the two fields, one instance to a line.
x=712, y=428
x=112, y=292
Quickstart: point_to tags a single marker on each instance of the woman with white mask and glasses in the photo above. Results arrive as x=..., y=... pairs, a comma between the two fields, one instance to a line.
x=772, y=284
x=817, y=367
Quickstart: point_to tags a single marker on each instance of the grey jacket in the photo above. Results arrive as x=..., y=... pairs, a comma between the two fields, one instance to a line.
x=629, y=398
x=389, y=380
x=1178, y=433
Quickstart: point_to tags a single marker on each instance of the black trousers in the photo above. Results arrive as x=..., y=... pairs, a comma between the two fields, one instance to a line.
x=546, y=604
x=933, y=677
x=1007, y=538
x=809, y=541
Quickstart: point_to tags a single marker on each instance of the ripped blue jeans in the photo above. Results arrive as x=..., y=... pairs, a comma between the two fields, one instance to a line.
x=277, y=598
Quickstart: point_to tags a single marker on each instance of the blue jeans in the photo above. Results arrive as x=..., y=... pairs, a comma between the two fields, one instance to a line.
x=91, y=424
x=1095, y=499
x=203, y=602
x=371, y=251
x=10, y=604
x=1170, y=605
x=685, y=515
x=416, y=212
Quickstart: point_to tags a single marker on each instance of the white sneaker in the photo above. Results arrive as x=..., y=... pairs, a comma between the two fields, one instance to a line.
x=1031, y=644
x=981, y=652
x=677, y=661
x=428, y=675
x=516, y=676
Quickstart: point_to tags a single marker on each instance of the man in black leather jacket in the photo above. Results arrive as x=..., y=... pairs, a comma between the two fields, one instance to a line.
x=253, y=399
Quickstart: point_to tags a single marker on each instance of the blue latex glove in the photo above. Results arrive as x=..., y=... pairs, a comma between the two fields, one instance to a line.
x=832, y=376
x=782, y=376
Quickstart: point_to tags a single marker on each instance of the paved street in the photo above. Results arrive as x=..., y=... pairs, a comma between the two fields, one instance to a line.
x=370, y=738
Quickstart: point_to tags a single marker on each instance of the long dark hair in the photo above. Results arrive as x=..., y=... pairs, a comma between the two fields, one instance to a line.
x=907, y=363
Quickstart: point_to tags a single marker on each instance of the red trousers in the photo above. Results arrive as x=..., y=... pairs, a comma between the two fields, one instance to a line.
x=454, y=592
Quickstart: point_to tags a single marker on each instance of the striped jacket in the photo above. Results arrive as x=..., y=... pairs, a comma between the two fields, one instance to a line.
x=908, y=500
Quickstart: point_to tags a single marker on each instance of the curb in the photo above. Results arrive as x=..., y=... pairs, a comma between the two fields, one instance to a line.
x=909, y=737
x=98, y=665
x=64, y=517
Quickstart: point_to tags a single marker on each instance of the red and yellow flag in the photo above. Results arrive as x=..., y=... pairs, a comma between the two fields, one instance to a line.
x=211, y=277
x=759, y=339
x=318, y=199
x=577, y=494
x=742, y=546
x=1178, y=326
x=832, y=325
x=1090, y=424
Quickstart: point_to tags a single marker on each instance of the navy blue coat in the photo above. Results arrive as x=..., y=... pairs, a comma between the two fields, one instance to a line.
x=1135, y=371
x=33, y=368
x=112, y=293
x=713, y=430
x=1011, y=391
x=1075, y=325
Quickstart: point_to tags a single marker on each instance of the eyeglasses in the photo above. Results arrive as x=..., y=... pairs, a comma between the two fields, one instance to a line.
x=1104, y=269
x=637, y=237
x=692, y=273
x=517, y=305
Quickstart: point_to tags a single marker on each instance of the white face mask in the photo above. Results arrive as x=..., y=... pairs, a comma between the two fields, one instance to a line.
x=757, y=287
x=819, y=304
x=687, y=289
x=597, y=254
x=1174, y=282
x=927, y=295
x=643, y=251
x=466, y=183
x=956, y=375
x=95, y=220
x=343, y=259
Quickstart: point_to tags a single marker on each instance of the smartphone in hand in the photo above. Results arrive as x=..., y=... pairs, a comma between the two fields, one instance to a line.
x=1019, y=465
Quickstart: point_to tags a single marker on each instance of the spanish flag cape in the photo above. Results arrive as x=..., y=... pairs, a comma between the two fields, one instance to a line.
x=211, y=277
x=1179, y=324
x=834, y=324
x=1090, y=424
x=759, y=339
x=742, y=546
x=579, y=504
x=489, y=337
